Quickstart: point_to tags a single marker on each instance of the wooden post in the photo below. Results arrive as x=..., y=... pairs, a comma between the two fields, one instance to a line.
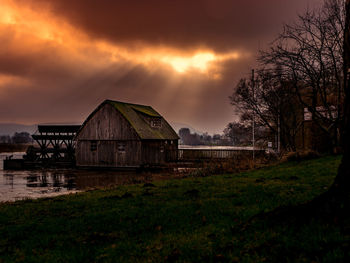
x=253, y=88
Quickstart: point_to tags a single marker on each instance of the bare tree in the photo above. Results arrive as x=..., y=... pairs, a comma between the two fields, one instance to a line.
x=272, y=101
x=309, y=54
x=340, y=190
x=334, y=204
x=238, y=133
x=336, y=201
x=189, y=138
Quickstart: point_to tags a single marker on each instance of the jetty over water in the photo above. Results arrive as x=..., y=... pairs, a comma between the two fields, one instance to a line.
x=54, y=147
x=55, y=141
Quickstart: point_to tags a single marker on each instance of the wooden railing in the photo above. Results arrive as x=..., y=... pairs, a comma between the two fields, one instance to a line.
x=199, y=154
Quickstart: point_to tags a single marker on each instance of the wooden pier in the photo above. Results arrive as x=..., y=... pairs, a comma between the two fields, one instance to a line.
x=56, y=149
x=55, y=142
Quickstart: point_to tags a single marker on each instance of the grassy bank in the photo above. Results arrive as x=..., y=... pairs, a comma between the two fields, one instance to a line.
x=187, y=220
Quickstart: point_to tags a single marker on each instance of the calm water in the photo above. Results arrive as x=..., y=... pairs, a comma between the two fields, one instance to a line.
x=17, y=185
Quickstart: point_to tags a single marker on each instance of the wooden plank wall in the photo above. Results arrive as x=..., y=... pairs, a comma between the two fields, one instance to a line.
x=159, y=151
x=107, y=154
x=107, y=124
x=153, y=152
x=171, y=151
x=108, y=128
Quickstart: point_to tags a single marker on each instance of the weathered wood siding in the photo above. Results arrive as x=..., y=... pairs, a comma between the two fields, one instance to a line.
x=159, y=151
x=171, y=151
x=109, y=130
x=107, y=154
x=107, y=124
x=153, y=152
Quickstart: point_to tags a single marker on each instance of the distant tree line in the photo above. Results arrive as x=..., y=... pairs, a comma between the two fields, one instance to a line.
x=18, y=137
x=240, y=134
x=299, y=78
x=188, y=138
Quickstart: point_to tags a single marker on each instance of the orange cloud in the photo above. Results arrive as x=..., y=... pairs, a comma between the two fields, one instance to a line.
x=43, y=27
x=61, y=58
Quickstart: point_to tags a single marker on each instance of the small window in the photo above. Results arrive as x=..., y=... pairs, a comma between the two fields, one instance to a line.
x=121, y=147
x=161, y=148
x=156, y=122
x=93, y=146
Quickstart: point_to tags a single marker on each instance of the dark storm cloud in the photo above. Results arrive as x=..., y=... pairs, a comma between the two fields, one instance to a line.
x=55, y=90
x=184, y=24
x=47, y=81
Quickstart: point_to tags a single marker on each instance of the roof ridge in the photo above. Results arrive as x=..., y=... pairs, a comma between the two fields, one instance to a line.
x=122, y=102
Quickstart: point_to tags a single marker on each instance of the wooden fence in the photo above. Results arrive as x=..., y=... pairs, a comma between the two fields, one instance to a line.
x=200, y=154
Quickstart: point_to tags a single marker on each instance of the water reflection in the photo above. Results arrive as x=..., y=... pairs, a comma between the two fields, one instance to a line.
x=56, y=179
x=16, y=185
x=9, y=180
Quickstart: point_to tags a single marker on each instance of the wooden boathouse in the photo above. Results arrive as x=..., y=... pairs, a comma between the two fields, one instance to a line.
x=118, y=134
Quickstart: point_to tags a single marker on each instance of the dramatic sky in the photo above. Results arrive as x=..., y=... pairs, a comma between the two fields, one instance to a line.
x=60, y=58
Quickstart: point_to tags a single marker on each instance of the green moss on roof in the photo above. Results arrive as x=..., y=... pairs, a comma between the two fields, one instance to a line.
x=133, y=114
x=146, y=110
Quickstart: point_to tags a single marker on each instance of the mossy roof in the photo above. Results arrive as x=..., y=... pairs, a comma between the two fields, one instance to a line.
x=137, y=115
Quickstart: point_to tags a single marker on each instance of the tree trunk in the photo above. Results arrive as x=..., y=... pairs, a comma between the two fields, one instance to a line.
x=341, y=185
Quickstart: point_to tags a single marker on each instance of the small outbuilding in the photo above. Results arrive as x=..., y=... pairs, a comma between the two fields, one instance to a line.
x=118, y=134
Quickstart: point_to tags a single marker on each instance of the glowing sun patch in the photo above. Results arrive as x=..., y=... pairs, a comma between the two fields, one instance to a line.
x=199, y=61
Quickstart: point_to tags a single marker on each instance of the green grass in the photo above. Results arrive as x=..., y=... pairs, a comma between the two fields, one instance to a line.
x=184, y=220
